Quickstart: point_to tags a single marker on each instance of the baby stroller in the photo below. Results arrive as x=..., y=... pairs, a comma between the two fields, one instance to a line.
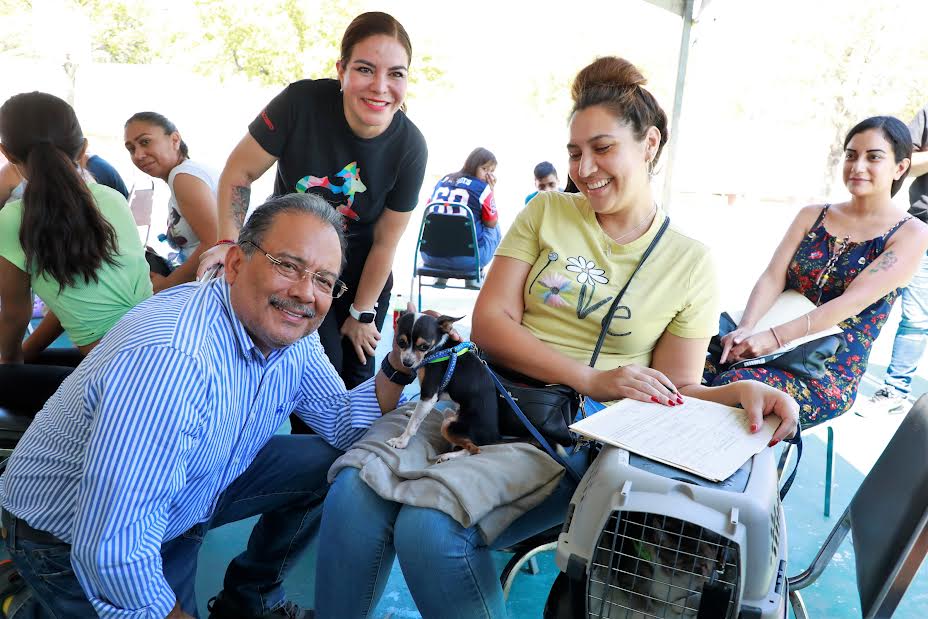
x=644, y=540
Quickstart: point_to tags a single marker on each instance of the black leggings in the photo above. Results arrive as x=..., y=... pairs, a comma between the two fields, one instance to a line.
x=340, y=350
x=25, y=387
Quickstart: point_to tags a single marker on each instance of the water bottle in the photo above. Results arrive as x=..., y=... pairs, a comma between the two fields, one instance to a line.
x=399, y=306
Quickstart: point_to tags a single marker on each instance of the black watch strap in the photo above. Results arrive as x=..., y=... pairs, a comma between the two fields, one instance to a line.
x=394, y=375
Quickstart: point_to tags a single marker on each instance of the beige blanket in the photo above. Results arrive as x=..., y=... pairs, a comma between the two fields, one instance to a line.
x=489, y=490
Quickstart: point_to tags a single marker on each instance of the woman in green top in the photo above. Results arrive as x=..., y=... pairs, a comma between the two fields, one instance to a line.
x=75, y=244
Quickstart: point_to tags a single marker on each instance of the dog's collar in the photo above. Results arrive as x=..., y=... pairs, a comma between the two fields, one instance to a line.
x=451, y=356
x=446, y=353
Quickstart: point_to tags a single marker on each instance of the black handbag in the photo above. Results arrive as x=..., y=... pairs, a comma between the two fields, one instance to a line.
x=550, y=409
x=806, y=361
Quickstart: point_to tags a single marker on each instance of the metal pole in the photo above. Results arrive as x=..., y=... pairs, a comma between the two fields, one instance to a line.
x=678, y=102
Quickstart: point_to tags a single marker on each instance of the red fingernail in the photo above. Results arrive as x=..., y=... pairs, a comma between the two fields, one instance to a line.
x=670, y=402
x=772, y=443
x=655, y=400
x=753, y=427
x=679, y=400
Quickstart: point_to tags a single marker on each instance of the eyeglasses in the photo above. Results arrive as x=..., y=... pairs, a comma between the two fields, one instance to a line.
x=326, y=283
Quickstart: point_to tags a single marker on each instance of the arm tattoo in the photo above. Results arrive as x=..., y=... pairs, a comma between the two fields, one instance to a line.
x=241, y=196
x=886, y=261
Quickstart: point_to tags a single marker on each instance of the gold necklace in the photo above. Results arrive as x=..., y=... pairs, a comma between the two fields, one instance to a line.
x=647, y=219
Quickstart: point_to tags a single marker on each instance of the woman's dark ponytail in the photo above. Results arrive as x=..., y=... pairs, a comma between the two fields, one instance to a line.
x=63, y=233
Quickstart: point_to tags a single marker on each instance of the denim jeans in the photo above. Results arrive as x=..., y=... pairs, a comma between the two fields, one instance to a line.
x=448, y=568
x=285, y=483
x=910, y=340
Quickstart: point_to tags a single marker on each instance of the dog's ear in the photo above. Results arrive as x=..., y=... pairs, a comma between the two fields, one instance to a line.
x=447, y=322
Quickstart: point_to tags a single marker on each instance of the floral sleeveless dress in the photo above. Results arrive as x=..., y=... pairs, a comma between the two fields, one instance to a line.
x=842, y=260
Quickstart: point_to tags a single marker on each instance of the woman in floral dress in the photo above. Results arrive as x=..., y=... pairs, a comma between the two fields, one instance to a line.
x=850, y=259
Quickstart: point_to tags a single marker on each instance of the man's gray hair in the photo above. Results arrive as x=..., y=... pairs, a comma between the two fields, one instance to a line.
x=263, y=217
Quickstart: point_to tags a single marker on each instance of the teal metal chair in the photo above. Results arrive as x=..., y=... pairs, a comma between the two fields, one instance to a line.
x=788, y=451
x=829, y=468
x=447, y=230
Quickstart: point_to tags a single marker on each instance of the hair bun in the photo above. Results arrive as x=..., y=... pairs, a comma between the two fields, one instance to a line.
x=609, y=71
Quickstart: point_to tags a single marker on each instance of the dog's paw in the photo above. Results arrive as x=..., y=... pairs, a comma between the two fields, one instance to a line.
x=399, y=442
x=451, y=455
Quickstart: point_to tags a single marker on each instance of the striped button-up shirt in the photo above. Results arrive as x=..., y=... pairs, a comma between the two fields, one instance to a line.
x=138, y=443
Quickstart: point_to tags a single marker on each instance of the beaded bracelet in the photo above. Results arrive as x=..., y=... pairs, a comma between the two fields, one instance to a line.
x=225, y=242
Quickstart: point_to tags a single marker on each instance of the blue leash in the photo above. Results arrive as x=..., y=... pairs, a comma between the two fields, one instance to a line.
x=797, y=441
x=451, y=356
x=531, y=427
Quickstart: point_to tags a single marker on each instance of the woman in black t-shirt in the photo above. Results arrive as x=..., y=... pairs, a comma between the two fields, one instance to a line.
x=349, y=141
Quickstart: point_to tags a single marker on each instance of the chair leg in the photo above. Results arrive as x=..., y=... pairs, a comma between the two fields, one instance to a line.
x=829, y=469
x=515, y=564
x=799, y=606
x=532, y=566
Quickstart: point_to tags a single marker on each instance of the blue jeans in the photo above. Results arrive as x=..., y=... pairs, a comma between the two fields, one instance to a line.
x=912, y=334
x=448, y=568
x=285, y=483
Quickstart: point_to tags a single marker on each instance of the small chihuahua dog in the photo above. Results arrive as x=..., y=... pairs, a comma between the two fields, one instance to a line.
x=470, y=386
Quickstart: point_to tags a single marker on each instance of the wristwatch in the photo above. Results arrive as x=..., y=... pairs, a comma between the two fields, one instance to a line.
x=394, y=375
x=365, y=316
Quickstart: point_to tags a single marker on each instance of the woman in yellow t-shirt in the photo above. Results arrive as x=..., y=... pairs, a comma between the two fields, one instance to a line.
x=540, y=313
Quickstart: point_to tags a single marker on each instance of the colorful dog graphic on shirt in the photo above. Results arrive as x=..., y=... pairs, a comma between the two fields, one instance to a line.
x=351, y=177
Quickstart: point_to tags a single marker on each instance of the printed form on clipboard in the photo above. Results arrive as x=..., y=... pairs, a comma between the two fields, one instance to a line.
x=788, y=306
x=704, y=438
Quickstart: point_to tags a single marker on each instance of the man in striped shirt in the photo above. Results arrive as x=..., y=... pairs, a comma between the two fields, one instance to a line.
x=168, y=429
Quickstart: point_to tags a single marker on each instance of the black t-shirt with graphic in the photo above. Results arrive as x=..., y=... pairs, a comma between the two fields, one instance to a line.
x=305, y=128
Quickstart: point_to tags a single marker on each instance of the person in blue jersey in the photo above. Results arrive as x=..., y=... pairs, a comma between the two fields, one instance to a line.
x=471, y=186
x=168, y=430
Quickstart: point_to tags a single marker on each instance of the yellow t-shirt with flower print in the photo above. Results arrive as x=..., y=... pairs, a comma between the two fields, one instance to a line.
x=577, y=269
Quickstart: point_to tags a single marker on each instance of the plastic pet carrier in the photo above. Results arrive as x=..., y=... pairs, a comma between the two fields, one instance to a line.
x=644, y=540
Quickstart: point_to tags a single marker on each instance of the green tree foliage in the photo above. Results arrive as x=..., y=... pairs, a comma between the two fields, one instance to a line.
x=119, y=31
x=15, y=28
x=874, y=68
x=289, y=40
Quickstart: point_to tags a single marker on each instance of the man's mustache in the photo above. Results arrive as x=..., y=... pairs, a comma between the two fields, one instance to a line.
x=293, y=307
